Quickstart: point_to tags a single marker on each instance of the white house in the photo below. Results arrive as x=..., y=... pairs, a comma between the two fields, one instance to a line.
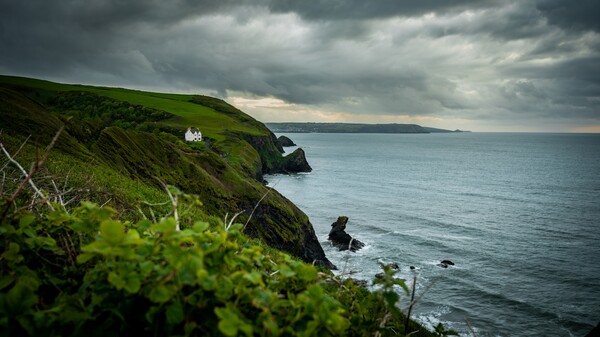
x=193, y=136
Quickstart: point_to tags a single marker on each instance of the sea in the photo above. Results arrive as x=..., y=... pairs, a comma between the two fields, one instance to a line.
x=518, y=214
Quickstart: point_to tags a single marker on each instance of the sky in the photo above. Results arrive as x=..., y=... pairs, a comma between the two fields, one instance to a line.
x=480, y=65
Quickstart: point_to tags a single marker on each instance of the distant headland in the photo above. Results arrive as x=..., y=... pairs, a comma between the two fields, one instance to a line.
x=354, y=128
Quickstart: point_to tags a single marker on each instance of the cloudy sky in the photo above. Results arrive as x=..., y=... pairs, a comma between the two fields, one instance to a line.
x=485, y=65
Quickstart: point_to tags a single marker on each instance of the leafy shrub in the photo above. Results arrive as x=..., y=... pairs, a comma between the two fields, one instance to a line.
x=148, y=278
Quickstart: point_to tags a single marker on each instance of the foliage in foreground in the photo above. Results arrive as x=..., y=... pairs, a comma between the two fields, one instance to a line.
x=85, y=273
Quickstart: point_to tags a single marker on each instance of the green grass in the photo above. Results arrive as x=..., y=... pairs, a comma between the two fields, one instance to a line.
x=80, y=180
x=212, y=123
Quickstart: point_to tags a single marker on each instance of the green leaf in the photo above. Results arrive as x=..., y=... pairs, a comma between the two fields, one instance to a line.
x=166, y=226
x=26, y=220
x=5, y=281
x=161, y=294
x=175, y=313
x=98, y=247
x=205, y=280
x=228, y=328
x=116, y=280
x=29, y=232
x=133, y=283
x=146, y=267
x=12, y=253
x=88, y=216
x=200, y=227
x=112, y=231
x=132, y=237
x=19, y=299
x=45, y=243
x=236, y=227
x=286, y=271
x=58, y=217
x=228, y=322
x=84, y=257
x=254, y=277
x=152, y=312
x=144, y=225
x=402, y=284
x=270, y=325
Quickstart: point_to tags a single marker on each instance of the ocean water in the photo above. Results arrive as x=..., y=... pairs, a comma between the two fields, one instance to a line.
x=518, y=214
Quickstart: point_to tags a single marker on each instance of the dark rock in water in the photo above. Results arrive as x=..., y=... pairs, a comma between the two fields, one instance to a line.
x=296, y=162
x=595, y=332
x=412, y=267
x=285, y=141
x=379, y=275
x=445, y=263
x=342, y=240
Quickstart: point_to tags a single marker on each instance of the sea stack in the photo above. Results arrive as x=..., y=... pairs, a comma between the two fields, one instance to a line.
x=285, y=141
x=342, y=240
x=296, y=162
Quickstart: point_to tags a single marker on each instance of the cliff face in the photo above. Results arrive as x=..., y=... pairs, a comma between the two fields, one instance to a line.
x=270, y=153
x=225, y=172
x=276, y=220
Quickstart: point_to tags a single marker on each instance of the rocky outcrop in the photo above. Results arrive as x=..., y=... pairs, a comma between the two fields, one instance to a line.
x=285, y=141
x=296, y=162
x=272, y=161
x=445, y=263
x=342, y=240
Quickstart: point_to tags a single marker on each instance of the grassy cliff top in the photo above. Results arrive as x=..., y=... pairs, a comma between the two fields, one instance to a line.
x=212, y=116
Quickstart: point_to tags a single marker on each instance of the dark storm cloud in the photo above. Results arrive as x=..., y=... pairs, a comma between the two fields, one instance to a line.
x=97, y=14
x=360, y=9
x=581, y=15
x=461, y=59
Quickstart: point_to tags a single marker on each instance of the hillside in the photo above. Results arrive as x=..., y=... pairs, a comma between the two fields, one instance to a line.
x=119, y=137
x=352, y=128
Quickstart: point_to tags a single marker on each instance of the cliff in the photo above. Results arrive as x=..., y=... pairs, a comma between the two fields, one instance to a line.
x=116, y=137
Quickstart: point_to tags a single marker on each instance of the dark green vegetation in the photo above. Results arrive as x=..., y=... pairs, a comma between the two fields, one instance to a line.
x=352, y=128
x=70, y=267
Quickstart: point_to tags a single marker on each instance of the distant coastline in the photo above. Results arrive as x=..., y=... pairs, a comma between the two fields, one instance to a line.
x=354, y=128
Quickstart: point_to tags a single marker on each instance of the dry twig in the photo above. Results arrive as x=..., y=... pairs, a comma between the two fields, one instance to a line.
x=35, y=167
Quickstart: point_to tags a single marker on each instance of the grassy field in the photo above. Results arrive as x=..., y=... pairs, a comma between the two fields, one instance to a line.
x=212, y=123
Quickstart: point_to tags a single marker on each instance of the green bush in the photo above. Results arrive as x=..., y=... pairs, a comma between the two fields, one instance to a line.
x=148, y=278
